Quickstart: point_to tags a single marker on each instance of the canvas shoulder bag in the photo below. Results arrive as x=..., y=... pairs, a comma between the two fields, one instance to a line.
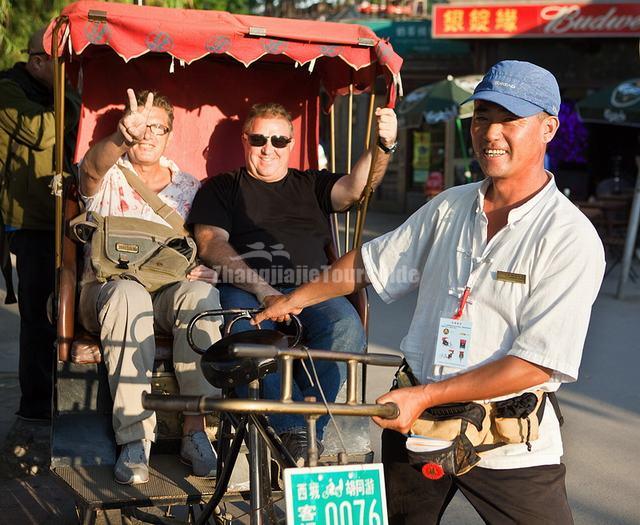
x=150, y=253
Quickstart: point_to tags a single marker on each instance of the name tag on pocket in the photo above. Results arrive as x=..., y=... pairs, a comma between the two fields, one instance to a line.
x=509, y=277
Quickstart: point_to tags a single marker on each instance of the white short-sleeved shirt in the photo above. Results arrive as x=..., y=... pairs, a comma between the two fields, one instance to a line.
x=442, y=248
x=117, y=198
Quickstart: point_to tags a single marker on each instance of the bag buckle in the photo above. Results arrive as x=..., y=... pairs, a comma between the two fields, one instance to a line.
x=123, y=262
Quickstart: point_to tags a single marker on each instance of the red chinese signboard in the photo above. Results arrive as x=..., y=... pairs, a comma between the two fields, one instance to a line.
x=536, y=20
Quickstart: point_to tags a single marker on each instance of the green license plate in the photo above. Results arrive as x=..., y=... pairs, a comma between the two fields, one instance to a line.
x=336, y=495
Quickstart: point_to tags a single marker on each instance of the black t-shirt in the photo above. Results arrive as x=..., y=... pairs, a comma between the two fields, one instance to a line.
x=280, y=229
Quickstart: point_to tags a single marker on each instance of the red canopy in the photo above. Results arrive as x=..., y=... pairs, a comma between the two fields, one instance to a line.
x=189, y=35
x=213, y=65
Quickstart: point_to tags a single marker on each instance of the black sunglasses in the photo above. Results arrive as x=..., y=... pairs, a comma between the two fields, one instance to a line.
x=277, y=141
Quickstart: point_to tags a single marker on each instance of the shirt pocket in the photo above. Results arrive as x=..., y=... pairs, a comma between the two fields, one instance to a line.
x=511, y=285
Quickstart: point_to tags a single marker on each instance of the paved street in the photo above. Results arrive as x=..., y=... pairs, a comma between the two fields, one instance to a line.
x=602, y=413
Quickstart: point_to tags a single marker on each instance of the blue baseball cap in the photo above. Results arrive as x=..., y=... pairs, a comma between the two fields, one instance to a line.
x=522, y=88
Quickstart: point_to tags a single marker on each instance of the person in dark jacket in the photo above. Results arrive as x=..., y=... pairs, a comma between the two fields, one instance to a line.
x=27, y=140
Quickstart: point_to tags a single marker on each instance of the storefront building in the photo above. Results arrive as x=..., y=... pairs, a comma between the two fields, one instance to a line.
x=586, y=45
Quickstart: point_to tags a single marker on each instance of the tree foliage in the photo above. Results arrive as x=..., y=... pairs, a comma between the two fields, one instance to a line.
x=233, y=6
x=20, y=18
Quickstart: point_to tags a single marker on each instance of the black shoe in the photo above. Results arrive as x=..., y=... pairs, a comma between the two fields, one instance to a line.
x=297, y=443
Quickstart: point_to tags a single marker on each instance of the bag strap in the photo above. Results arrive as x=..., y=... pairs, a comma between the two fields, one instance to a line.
x=165, y=211
x=556, y=406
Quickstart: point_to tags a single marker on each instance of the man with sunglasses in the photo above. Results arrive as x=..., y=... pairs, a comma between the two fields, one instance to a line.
x=265, y=227
x=122, y=311
x=27, y=142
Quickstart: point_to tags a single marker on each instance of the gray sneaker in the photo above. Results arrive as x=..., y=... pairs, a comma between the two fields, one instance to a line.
x=197, y=451
x=132, y=466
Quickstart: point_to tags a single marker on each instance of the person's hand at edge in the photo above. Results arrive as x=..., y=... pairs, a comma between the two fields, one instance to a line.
x=278, y=309
x=203, y=273
x=411, y=401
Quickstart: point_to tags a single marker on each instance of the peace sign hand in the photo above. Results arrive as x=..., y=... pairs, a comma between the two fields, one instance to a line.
x=133, y=124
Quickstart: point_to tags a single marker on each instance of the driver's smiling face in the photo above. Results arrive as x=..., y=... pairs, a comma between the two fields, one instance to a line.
x=267, y=163
x=507, y=145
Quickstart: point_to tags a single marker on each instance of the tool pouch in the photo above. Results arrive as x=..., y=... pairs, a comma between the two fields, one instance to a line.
x=472, y=428
x=457, y=459
x=517, y=420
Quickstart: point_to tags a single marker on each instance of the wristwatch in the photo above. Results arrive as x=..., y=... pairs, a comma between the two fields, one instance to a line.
x=390, y=149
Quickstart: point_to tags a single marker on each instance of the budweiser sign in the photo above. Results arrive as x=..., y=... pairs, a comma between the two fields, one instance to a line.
x=536, y=20
x=572, y=18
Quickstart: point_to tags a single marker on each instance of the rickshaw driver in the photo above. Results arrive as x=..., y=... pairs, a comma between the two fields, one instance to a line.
x=123, y=312
x=266, y=219
x=529, y=264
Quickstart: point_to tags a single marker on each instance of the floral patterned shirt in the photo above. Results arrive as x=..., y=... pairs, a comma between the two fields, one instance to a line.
x=115, y=197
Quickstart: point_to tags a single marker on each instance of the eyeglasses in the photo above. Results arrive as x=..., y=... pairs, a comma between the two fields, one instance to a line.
x=158, y=129
x=277, y=141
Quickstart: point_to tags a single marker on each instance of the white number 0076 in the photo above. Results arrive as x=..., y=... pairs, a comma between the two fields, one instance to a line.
x=343, y=514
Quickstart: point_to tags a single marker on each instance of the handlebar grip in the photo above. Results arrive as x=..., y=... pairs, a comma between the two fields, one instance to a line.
x=394, y=411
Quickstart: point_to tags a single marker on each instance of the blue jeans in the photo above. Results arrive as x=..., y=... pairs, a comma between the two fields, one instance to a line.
x=330, y=325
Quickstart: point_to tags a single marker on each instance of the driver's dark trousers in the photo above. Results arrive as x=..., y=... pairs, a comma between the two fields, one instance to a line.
x=527, y=496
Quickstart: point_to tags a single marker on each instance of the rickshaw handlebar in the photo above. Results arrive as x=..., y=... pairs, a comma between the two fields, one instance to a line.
x=203, y=405
x=268, y=351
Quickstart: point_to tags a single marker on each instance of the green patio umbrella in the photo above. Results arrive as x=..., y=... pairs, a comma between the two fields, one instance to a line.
x=619, y=105
x=438, y=102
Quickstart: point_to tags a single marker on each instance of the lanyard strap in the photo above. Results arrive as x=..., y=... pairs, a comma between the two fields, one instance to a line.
x=463, y=303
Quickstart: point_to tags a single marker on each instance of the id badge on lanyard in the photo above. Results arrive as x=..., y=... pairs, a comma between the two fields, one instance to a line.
x=454, y=337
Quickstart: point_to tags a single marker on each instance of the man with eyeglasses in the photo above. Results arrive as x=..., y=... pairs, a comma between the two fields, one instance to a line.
x=27, y=141
x=265, y=227
x=122, y=311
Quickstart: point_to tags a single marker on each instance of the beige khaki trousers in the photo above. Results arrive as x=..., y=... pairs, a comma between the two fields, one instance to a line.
x=125, y=315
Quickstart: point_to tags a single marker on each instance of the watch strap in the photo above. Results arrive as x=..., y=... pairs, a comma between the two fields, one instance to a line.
x=386, y=149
